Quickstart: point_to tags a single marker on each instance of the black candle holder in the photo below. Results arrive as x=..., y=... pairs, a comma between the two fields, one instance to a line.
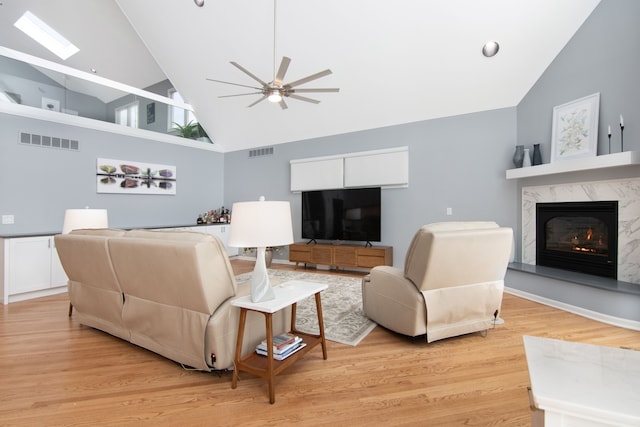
x=609, y=134
x=621, y=137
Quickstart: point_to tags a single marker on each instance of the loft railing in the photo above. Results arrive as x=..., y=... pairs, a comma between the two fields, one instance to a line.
x=37, y=88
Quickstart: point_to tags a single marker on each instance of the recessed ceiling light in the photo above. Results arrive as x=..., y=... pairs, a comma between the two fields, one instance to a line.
x=38, y=30
x=94, y=71
x=199, y=3
x=490, y=49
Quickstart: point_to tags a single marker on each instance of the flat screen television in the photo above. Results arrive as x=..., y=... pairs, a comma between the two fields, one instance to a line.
x=351, y=214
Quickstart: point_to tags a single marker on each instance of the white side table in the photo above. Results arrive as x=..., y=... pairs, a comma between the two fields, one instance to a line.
x=579, y=384
x=287, y=294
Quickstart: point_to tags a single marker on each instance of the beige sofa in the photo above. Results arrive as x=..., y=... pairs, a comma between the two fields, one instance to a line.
x=452, y=282
x=166, y=291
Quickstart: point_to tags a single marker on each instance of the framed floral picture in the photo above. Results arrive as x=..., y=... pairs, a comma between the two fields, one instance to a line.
x=575, y=129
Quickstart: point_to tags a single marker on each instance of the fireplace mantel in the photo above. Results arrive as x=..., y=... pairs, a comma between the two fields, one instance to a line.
x=626, y=158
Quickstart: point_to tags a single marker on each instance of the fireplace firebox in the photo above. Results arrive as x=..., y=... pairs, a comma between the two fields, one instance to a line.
x=578, y=236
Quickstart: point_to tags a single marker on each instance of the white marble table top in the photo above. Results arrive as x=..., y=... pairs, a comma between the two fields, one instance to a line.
x=286, y=294
x=590, y=382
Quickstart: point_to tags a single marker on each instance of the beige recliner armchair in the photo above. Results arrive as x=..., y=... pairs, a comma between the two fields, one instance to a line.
x=451, y=285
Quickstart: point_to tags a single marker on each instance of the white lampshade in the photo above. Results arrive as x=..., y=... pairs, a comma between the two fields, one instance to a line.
x=261, y=224
x=258, y=225
x=75, y=219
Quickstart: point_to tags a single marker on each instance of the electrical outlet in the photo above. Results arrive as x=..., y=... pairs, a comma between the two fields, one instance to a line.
x=8, y=219
x=449, y=211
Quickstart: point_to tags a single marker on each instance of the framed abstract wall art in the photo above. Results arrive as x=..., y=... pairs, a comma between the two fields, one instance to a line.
x=127, y=177
x=575, y=129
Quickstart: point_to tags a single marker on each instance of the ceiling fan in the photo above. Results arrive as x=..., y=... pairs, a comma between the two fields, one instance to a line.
x=276, y=90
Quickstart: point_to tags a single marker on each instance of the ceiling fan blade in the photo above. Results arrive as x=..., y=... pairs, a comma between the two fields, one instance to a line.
x=240, y=94
x=308, y=79
x=259, y=100
x=283, y=104
x=284, y=65
x=248, y=73
x=334, y=89
x=304, y=98
x=235, y=84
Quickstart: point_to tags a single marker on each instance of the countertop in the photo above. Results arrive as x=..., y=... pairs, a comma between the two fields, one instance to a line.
x=585, y=381
x=53, y=233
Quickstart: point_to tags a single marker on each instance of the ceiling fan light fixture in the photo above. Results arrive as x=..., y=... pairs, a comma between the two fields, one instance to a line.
x=275, y=96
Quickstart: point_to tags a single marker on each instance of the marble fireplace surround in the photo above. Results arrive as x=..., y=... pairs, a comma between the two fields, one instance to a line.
x=625, y=191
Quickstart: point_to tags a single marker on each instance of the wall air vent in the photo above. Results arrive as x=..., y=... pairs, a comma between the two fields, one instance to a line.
x=259, y=152
x=49, y=141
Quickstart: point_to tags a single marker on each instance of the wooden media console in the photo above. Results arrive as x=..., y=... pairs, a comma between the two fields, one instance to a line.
x=340, y=255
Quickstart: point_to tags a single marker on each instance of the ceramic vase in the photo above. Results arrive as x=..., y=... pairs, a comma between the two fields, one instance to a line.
x=537, y=156
x=527, y=158
x=518, y=156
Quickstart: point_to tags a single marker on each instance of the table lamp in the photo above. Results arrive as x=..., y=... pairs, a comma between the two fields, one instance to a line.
x=258, y=225
x=75, y=219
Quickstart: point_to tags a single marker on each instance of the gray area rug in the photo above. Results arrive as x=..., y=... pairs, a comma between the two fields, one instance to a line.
x=344, y=320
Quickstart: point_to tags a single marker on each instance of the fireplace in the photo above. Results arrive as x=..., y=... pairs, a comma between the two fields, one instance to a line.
x=578, y=236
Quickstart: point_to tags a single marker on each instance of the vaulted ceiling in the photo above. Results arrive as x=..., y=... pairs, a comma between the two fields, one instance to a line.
x=394, y=61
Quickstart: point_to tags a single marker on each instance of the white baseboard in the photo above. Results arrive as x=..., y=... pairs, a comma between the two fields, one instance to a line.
x=37, y=294
x=594, y=315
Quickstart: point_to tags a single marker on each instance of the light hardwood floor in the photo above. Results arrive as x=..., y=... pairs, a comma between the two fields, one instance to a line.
x=55, y=372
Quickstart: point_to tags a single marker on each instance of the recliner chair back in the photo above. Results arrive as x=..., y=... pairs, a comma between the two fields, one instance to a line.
x=451, y=254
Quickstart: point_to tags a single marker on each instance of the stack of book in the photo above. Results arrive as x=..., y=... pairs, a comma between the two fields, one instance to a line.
x=284, y=345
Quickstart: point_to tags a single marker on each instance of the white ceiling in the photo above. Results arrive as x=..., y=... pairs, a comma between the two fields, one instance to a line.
x=394, y=61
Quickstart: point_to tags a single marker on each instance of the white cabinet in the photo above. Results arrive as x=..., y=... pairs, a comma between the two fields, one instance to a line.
x=221, y=231
x=31, y=268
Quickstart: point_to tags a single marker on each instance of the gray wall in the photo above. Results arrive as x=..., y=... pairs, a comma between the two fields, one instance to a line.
x=456, y=162
x=37, y=184
x=603, y=56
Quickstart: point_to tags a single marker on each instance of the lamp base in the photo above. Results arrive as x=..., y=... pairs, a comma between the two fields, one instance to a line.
x=261, y=289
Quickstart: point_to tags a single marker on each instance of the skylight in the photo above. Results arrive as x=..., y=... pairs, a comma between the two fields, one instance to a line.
x=38, y=30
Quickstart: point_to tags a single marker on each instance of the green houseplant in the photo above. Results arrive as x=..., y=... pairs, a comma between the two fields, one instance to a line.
x=192, y=130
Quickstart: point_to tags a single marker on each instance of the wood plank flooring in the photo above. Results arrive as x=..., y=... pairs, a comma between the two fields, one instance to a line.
x=56, y=372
